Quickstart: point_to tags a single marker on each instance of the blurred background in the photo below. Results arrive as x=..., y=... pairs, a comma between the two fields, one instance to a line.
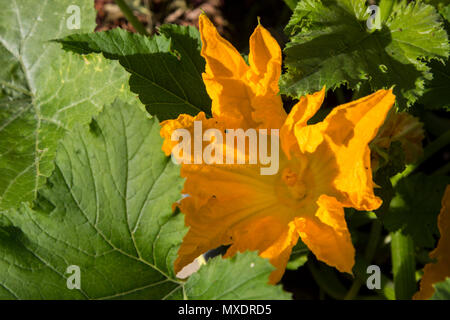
x=235, y=19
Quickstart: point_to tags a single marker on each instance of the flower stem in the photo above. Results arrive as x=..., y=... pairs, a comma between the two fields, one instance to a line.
x=429, y=151
x=131, y=17
x=403, y=265
x=327, y=280
x=372, y=245
x=386, y=291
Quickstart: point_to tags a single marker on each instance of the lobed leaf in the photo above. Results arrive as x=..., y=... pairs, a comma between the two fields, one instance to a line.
x=436, y=94
x=415, y=208
x=165, y=70
x=331, y=45
x=44, y=90
x=243, y=277
x=107, y=209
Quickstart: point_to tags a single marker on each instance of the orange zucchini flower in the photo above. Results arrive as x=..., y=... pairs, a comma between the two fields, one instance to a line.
x=437, y=272
x=323, y=168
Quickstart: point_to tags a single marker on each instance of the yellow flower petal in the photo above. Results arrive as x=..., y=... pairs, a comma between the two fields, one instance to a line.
x=224, y=71
x=323, y=168
x=264, y=73
x=437, y=272
x=265, y=61
x=230, y=205
x=275, y=242
x=302, y=111
x=222, y=59
x=347, y=130
x=184, y=121
x=242, y=96
x=327, y=236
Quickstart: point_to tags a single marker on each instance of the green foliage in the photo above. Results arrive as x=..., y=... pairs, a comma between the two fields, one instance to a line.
x=165, y=70
x=44, y=91
x=393, y=163
x=442, y=290
x=439, y=4
x=445, y=12
x=437, y=91
x=415, y=208
x=330, y=45
x=291, y=3
x=242, y=277
x=107, y=209
x=299, y=256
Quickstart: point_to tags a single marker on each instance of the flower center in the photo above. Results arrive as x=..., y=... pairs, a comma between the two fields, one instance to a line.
x=294, y=184
x=291, y=186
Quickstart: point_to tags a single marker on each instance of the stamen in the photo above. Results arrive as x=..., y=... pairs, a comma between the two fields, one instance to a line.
x=295, y=186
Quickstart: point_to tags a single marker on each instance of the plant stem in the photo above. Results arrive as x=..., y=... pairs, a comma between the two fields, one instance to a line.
x=131, y=17
x=374, y=238
x=403, y=265
x=327, y=281
x=354, y=289
x=429, y=151
x=387, y=286
x=372, y=245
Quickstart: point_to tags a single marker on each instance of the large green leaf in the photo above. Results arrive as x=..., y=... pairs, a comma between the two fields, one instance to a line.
x=291, y=4
x=242, y=277
x=437, y=91
x=415, y=208
x=44, y=90
x=165, y=70
x=445, y=11
x=107, y=209
x=331, y=45
x=439, y=4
